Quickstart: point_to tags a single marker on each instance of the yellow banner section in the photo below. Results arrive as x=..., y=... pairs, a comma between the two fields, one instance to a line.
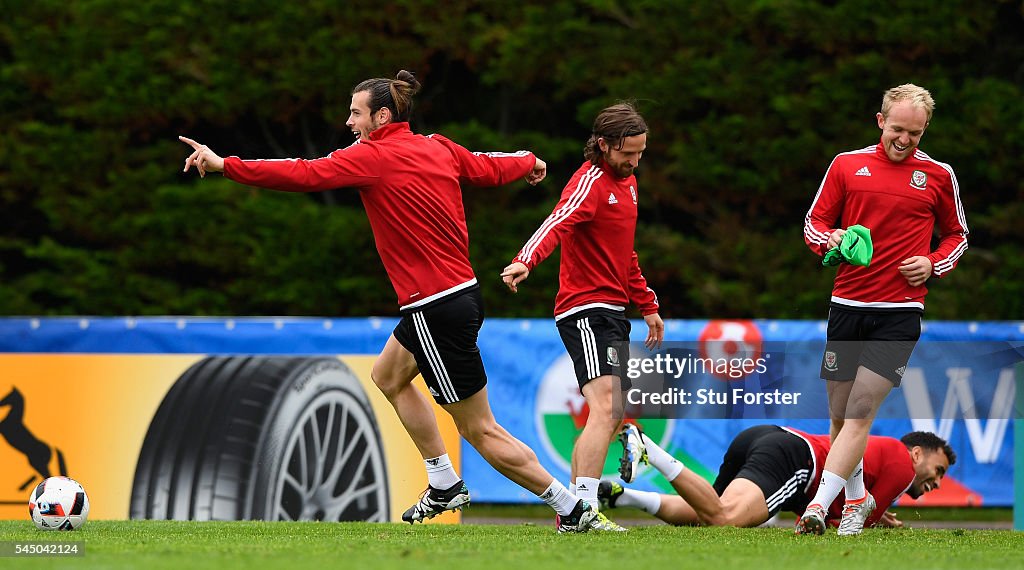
x=313, y=451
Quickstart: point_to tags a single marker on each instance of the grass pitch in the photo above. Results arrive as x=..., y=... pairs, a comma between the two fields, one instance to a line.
x=257, y=545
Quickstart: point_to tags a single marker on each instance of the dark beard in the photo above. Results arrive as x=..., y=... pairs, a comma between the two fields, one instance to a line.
x=623, y=172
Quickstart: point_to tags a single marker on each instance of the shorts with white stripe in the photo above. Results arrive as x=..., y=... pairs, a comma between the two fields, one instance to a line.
x=777, y=461
x=597, y=341
x=442, y=336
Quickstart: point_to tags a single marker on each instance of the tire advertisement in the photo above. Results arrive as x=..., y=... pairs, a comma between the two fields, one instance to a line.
x=208, y=437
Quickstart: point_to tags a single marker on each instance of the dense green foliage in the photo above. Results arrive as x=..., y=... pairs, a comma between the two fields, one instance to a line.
x=748, y=102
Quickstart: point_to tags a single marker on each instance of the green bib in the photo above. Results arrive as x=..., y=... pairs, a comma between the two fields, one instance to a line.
x=855, y=248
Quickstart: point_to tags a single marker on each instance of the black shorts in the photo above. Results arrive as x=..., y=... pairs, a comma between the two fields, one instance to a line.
x=880, y=341
x=442, y=336
x=598, y=343
x=777, y=461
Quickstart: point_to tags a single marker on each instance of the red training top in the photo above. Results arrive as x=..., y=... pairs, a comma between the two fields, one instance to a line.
x=595, y=221
x=410, y=187
x=900, y=202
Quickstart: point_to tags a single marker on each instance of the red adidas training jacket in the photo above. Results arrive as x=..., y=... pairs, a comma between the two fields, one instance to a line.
x=410, y=187
x=595, y=221
x=900, y=202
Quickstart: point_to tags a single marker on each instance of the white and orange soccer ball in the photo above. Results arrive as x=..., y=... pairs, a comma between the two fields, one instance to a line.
x=58, y=503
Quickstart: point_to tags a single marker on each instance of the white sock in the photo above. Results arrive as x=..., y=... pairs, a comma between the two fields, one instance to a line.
x=586, y=489
x=646, y=501
x=440, y=473
x=829, y=488
x=855, y=490
x=572, y=487
x=668, y=466
x=559, y=498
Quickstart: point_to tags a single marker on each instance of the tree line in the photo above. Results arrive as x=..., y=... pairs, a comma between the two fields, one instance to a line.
x=747, y=102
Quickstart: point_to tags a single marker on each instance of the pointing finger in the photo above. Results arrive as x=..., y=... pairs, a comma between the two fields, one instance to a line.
x=190, y=142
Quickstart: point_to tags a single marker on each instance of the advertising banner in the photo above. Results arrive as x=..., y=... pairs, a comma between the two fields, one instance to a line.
x=712, y=379
x=251, y=426
x=277, y=418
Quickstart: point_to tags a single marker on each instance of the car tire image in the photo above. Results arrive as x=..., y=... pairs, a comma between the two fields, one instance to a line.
x=267, y=438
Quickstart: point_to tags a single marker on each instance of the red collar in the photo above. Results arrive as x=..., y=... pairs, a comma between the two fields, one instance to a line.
x=390, y=129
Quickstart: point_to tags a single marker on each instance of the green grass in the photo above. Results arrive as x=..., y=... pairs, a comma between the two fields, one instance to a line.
x=257, y=545
x=909, y=515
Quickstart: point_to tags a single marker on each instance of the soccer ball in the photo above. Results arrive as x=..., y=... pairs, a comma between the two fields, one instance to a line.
x=58, y=503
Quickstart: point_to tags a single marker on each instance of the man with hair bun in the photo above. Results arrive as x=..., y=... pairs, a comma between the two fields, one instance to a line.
x=595, y=221
x=900, y=194
x=410, y=187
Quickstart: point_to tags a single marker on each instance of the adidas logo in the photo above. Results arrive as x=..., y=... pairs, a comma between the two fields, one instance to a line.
x=434, y=462
x=612, y=199
x=581, y=487
x=863, y=171
x=901, y=370
x=433, y=392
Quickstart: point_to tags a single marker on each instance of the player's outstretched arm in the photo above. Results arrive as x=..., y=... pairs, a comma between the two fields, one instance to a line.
x=204, y=159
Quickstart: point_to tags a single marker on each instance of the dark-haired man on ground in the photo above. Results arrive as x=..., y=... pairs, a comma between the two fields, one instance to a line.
x=768, y=469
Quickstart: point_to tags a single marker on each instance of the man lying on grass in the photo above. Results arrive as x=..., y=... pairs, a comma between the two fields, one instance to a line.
x=770, y=468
